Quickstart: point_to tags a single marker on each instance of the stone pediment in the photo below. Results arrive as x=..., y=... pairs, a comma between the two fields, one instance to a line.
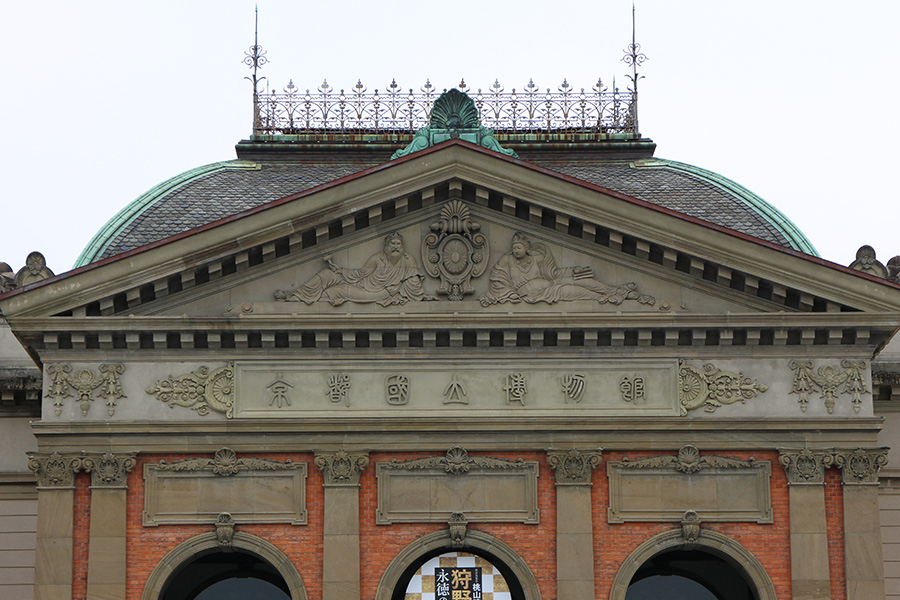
x=459, y=210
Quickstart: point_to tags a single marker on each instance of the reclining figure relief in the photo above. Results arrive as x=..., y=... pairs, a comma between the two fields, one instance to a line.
x=387, y=278
x=528, y=273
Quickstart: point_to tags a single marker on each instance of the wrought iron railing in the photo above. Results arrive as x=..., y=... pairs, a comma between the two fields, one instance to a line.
x=602, y=109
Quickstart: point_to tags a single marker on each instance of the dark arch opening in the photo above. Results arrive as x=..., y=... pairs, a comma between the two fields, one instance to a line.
x=693, y=574
x=226, y=575
x=515, y=587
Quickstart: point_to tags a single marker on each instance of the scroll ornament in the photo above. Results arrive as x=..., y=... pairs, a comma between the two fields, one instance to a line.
x=455, y=251
x=828, y=380
x=86, y=383
x=688, y=461
x=226, y=463
x=201, y=390
x=457, y=462
x=341, y=468
x=712, y=388
x=575, y=466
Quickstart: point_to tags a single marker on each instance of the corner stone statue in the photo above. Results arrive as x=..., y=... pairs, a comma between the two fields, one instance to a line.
x=389, y=277
x=529, y=274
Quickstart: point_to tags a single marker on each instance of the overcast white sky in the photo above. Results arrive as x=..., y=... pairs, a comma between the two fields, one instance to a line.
x=795, y=100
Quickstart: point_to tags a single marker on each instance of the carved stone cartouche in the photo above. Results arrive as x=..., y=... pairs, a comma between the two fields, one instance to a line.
x=712, y=388
x=455, y=251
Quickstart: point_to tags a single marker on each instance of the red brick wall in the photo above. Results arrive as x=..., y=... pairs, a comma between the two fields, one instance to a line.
x=146, y=546
x=834, y=514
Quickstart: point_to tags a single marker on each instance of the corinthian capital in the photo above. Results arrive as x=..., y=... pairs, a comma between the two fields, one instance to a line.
x=805, y=467
x=573, y=467
x=109, y=470
x=55, y=470
x=860, y=466
x=341, y=468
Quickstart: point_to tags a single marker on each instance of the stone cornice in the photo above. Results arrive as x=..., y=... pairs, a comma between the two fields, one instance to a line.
x=341, y=468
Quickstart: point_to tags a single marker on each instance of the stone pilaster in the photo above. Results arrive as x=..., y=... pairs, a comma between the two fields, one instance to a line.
x=864, y=564
x=810, y=574
x=340, y=568
x=56, y=498
x=574, y=537
x=106, y=547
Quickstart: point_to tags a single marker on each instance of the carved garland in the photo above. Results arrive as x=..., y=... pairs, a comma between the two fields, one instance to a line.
x=688, y=461
x=85, y=381
x=226, y=463
x=828, y=380
x=712, y=387
x=201, y=390
x=457, y=461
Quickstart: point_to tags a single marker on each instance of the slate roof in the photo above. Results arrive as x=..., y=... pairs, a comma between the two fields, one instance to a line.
x=224, y=189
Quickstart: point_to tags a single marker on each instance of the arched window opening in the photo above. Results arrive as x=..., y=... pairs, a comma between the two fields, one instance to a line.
x=689, y=575
x=226, y=576
x=452, y=575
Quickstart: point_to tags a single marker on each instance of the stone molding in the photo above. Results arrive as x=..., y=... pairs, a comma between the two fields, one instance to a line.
x=55, y=471
x=341, y=468
x=805, y=467
x=457, y=462
x=109, y=470
x=860, y=466
x=574, y=467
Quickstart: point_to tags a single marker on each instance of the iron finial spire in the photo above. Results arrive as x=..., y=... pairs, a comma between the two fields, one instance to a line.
x=634, y=58
x=255, y=58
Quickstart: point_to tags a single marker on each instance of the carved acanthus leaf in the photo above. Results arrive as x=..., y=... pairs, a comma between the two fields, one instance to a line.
x=201, y=390
x=342, y=468
x=457, y=461
x=688, y=461
x=712, y=388
x=574, y=466
x=829, y=379
x=225, y=463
